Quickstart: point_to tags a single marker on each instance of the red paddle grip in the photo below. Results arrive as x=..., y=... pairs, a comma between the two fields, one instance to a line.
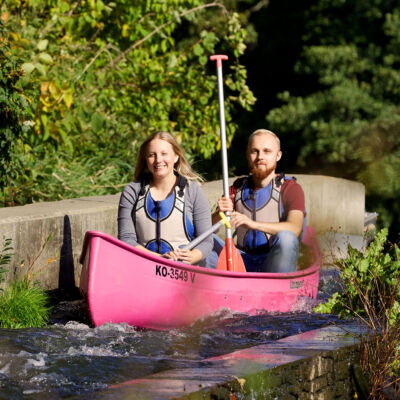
x=218, y=58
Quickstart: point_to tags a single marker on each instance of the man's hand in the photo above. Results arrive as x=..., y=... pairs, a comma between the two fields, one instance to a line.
x=238, y=219
x=294, y=223
x=225, y=204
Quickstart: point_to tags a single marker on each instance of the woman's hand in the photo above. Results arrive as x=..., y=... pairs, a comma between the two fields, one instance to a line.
x=184, y=255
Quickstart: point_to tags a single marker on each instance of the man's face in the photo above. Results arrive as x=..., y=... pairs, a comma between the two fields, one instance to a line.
x=262, y=155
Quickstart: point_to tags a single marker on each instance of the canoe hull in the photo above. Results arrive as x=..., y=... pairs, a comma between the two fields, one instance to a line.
x=125, y=284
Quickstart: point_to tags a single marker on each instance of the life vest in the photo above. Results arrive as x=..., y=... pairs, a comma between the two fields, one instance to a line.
x=263, y=204
x=162, y=226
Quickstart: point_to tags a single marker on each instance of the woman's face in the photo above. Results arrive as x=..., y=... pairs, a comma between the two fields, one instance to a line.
x=160, y=158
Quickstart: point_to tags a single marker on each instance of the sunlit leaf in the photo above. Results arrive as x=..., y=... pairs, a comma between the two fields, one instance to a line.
x=68, y=99
x=45, y=58
x=40, y=68
x=125, y=30
x=42, y=44
x=28, y=67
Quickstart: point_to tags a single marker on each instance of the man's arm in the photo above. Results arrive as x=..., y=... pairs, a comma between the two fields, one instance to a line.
x=293, y=223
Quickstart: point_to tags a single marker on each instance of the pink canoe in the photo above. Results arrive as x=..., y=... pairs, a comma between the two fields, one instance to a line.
x=125, y=284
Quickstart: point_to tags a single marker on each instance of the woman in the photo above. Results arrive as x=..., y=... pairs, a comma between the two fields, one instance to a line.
x=165, y=206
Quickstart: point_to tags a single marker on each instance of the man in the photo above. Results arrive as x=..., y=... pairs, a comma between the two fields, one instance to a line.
x=267, y=210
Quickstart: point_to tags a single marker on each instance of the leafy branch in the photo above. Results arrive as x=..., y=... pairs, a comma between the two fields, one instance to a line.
x=159, y=28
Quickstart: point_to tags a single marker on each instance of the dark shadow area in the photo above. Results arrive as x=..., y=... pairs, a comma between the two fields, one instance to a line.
x=66, y=279
x=67, y=289
x=65, y=302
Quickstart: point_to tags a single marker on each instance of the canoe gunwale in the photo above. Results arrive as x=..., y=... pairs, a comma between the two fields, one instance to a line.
x=315, y=266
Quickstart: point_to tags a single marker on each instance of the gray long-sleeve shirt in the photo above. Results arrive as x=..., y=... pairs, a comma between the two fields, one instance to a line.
x=196, y=206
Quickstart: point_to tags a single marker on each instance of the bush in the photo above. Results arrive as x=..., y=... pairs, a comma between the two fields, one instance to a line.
x=371, y=294
x=14, y=110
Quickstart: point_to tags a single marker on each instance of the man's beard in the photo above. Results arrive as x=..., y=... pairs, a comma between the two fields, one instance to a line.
x=262, y=173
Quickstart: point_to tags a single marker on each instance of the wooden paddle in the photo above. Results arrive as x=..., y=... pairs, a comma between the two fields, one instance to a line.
x=229, y=258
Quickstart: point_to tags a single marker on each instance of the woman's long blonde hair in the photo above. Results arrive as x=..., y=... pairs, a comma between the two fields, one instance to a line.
x=182, y=167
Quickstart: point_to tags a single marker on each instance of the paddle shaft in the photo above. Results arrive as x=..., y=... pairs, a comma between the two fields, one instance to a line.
x=219, y=58
x=200, y=238
x=223, y=131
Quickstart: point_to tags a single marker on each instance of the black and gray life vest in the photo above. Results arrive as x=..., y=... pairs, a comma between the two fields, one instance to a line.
x=263, y=204
x=162, y=226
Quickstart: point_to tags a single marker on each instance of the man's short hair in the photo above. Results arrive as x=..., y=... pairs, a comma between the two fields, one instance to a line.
x=263, y=132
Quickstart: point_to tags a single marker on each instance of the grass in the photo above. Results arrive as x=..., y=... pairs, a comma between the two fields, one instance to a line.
x=24, y=306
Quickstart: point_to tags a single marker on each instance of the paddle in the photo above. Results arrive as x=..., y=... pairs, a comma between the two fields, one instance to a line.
x=214, y=228
x=229, y=258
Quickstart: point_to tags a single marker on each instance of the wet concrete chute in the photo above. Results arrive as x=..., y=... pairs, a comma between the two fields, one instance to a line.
x=69, y=359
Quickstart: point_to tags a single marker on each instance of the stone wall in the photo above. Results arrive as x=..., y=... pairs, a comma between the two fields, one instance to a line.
x=328, y=375
x=317, y=364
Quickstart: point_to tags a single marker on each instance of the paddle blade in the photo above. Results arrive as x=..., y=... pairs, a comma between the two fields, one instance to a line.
x=230, y=259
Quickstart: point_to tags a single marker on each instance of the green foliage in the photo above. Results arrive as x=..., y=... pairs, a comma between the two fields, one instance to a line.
x=51, y=178
x=371, y=295
x=371, y=283
x=106, y=74
x=13, y=110
x=348, y=117
x=5, y=258
x=23, y=306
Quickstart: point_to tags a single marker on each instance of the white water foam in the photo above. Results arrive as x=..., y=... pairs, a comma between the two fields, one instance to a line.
x=111, y=327
x=6, y=369
x=38, y=363
x=75, y=325
x=99, y=351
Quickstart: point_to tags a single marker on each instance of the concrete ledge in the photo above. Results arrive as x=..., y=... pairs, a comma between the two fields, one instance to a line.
x=313, y=365
x=333, y=205
x=29, y=226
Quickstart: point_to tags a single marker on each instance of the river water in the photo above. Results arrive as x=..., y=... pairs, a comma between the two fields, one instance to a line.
x=70, y=358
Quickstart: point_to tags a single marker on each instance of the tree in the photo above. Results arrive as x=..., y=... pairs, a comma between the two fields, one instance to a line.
x=111, y=72
x=348, y=119
x=14, y=110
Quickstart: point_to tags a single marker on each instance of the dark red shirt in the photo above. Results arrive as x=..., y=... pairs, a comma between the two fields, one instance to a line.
x=292, y=196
